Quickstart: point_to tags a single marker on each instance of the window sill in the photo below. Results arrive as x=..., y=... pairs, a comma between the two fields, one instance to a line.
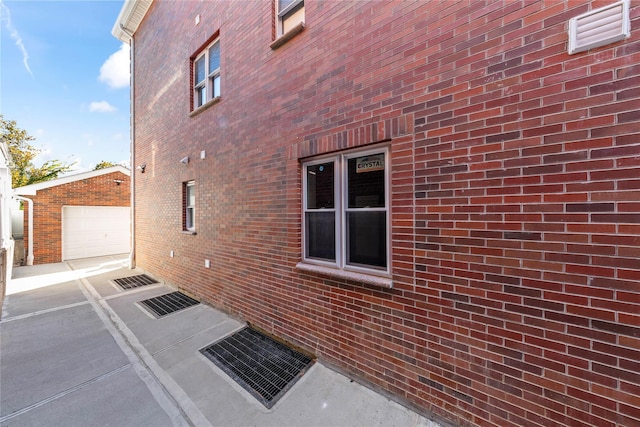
x=382, y=282
x=204, y=106
x=287, y=36
x=191, y=233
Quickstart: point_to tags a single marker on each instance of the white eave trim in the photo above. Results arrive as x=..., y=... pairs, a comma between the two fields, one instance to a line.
x=31, y=190
x=131, y=15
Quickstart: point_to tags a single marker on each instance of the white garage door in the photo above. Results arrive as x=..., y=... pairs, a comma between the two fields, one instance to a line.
x=90, y=231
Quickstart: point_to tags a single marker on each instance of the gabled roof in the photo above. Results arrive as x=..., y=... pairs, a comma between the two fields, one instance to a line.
x=31, y=190
x=131, y=14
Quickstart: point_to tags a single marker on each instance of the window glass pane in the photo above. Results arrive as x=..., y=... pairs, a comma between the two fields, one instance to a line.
x=214, y=57
x=189, y=218
x=283, y=4
x=200, y=96
x=366, y=238
x=216, y=85
x=320, y=186
x=191, y=196
x=320, y=236
x=366, y=181
x=200, y=70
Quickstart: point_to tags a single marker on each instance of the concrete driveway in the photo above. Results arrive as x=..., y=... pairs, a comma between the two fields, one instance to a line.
x=77, y=350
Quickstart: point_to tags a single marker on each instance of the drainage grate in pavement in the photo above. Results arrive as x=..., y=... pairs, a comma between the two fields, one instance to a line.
x=261, y=365
x=134, y=281
x=169, y=303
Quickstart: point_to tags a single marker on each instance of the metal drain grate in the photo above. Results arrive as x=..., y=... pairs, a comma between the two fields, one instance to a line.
x=261, y=365
x=169, y=303
x=134, y=281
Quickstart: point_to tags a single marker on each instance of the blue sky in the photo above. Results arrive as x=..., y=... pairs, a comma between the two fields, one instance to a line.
x=65, y=79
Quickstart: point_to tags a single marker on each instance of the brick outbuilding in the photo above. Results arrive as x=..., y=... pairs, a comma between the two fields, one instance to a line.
x=77, y=216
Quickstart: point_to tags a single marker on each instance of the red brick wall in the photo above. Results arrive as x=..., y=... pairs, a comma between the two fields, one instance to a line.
x=47, y=209
x=515, y=192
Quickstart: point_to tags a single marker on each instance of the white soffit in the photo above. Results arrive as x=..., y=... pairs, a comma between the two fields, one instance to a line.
x=130, y=17
x=599, y=27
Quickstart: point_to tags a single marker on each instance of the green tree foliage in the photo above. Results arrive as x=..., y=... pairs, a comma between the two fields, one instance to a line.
x=104, y=164
x=23, y=171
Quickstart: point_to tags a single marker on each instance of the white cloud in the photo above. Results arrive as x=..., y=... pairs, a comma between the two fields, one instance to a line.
x=15, y=35
x=101, y=107
x=115, y=70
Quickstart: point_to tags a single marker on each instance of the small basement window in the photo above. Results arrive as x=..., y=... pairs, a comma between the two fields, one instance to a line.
x=189, y=207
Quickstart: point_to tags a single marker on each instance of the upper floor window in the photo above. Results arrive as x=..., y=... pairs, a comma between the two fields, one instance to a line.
x=346, y=211
x=290, y=14
x=206, y=75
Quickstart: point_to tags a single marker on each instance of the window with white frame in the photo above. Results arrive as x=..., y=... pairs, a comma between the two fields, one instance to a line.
x=346, y=211
x=206, y=75
x=189, y=206
x=290, y=14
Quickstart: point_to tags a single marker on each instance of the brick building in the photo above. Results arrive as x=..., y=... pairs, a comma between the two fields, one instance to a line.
x=78, y=216
x=436, y=198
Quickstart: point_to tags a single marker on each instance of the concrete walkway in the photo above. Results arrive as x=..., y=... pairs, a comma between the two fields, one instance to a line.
x=76, y=350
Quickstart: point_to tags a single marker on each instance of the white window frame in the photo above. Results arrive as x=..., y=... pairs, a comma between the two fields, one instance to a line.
x=189, y=209
x=210, y=84
x=284, y=14
x=340, y=161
